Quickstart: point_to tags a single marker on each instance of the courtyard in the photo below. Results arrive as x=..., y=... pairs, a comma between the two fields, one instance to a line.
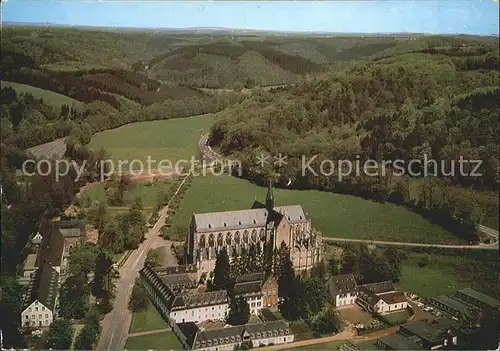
x=355, y=315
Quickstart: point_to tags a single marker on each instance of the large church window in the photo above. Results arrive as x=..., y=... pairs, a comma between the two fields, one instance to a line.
x=228, y=239
x=254, y=236
x=211, y=240
x=245, y=236
x=220, y=239
x=202, y=242
x=262, y=235
x=237, y=238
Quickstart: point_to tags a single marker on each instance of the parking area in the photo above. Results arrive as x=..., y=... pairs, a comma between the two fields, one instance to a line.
x=422, y=310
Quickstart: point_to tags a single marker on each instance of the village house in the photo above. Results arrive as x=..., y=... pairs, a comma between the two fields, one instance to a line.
x=450, y=305
x=73, y=233
x=178, y=305
x=200, y=307
x=179, y=278
x=39, y=300
x=477, y=298
x=270, y=293
x=42, y=276
x=53, y=243
x=381, y=298
x=256, y=335
x=431, y=336
x=29, y=268
x=342, y=289
x=397, y=342
x=417, y=335
x=249, y=286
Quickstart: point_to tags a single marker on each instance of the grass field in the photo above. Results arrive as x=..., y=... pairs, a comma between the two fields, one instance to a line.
x=172, y=139
x=149, y=319
x=396, y=318
x=49, y=97
x=333, y=214
x=53, y=149
x=443, y=275
x=158, y=341
x=148, y=193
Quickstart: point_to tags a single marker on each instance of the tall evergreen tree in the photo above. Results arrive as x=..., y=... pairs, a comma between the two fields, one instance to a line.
x=87, y=337
x=285, y=271
x=239, y=311
x=222, y=270
x=139, y=300
x=60, y=336
x=73, y=296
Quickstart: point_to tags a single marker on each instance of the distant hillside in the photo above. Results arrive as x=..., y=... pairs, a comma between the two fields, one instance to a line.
x=436, y=97
x=50, y=98
x=148, y=67
x=253, y=60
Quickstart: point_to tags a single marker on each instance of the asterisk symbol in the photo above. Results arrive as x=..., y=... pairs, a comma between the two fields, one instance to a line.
x=262, y=160
x=280, y=160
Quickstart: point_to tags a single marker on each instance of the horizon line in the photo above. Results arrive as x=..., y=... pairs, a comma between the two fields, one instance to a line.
x=63, y=25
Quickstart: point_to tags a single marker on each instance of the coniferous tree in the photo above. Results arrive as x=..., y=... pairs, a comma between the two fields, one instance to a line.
x=60, y=335
x=89, y=334
x=139, y=300
x=222, y=276
x=239, y=311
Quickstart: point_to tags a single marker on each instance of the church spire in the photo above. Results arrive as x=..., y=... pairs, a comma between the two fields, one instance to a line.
x=270, y=197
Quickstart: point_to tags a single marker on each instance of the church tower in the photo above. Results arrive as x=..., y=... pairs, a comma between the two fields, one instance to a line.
x=270, y=198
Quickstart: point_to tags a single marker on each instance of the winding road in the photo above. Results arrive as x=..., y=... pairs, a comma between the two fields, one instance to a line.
x=206, y=150
x=212, y=155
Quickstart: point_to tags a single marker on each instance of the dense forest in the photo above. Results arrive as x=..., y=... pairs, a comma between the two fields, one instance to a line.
x=440, y=101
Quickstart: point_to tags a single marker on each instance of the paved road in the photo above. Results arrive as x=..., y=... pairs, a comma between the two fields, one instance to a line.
x=493, y=246
x=212, y=155
x=115, y=325
x=488, y=231
x=206, y=150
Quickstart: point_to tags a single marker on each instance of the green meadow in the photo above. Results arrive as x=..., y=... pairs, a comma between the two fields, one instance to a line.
x=172, y=139
x=49, y=97
x=334, y=215
x=149, y=319
x=157, y=341
x=444, y=275
x=148, y=192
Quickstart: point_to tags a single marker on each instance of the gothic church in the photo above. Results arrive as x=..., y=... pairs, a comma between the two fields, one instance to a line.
x=263, y=223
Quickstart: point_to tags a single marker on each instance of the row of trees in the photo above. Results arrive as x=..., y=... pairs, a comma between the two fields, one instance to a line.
x=173, y=199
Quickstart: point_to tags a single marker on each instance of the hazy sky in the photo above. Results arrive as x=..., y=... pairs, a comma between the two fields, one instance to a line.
x=445, y=16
